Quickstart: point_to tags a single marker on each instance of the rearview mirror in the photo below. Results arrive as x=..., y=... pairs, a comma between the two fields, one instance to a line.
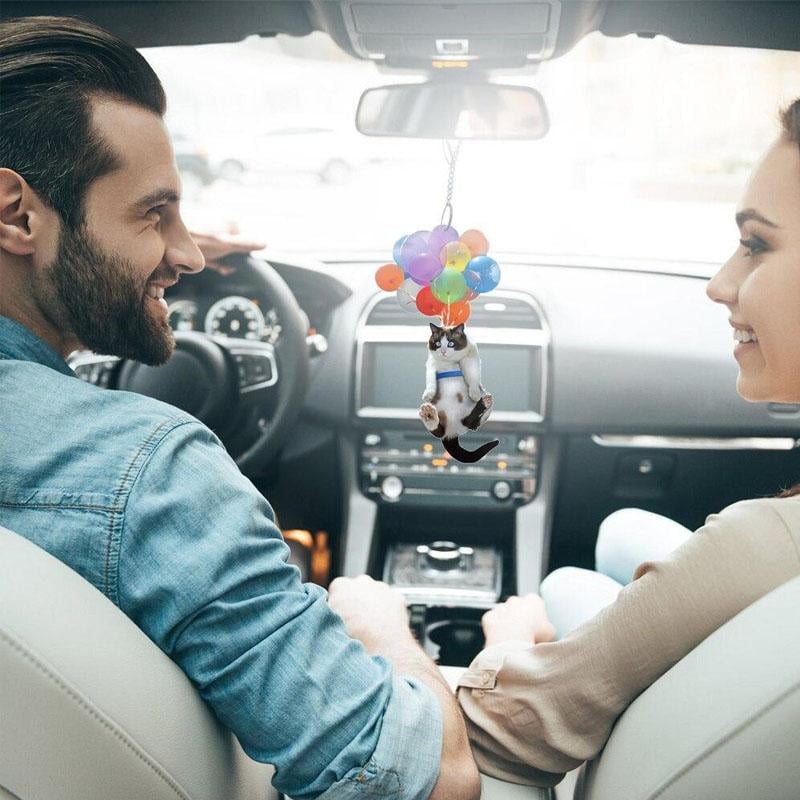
x=453, y=110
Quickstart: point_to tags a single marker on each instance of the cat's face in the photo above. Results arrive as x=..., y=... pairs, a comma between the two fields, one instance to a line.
x=448, y=343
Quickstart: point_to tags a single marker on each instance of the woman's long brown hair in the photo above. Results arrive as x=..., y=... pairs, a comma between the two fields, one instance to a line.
x=790, y=122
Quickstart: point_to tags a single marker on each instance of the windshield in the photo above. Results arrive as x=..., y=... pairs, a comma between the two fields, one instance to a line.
x=649, y=148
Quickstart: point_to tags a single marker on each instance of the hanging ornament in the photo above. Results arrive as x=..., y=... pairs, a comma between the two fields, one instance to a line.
x=437, y=273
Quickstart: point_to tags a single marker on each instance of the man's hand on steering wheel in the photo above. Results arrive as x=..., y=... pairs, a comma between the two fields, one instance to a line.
x=215, y=246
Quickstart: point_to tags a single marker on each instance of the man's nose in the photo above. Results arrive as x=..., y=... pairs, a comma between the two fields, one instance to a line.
x=724, y=286
x=182, y=253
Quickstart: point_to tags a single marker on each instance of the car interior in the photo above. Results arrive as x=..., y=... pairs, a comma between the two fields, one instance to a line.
x=612, y=374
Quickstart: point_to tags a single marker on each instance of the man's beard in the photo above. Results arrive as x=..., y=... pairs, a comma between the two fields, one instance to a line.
x=105, y=304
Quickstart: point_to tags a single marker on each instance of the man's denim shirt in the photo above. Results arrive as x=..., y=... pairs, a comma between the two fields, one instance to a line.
x=144, y=502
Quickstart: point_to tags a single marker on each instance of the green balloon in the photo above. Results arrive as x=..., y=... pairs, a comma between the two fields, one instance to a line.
x=449, y=286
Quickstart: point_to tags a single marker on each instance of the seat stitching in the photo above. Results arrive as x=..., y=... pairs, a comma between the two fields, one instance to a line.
x=725, y=739
x=87, y=707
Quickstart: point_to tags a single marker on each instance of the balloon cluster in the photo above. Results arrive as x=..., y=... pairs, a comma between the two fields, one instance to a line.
x=439, y=272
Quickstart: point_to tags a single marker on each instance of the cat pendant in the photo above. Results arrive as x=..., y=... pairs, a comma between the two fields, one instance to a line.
x=454, y=401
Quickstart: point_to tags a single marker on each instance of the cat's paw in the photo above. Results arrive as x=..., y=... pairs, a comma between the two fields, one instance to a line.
x=429, y=415
x=488, y=401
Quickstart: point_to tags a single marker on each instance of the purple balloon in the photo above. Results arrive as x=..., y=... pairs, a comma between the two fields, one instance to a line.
x=440, y=236
x=415, y=245
x=424, y=268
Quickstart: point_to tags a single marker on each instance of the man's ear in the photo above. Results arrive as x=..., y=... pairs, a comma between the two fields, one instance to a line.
x=22, y=214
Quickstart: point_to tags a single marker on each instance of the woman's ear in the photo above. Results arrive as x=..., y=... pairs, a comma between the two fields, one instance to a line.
x=22, y=215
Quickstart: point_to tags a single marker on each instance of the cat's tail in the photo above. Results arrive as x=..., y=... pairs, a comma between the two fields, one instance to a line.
x=467, y=456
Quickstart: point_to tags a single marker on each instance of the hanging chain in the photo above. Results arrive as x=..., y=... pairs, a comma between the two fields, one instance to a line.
x=451, y=154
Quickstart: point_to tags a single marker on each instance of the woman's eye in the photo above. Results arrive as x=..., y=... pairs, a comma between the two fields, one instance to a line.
x=753, y=245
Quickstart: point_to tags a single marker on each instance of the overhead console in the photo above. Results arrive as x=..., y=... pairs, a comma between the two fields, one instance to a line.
x=487, y=34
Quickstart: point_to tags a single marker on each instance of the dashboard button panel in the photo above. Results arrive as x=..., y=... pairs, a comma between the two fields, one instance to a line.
x=426, y=475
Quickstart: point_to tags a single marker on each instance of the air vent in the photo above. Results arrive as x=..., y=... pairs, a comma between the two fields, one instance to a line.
x=487, y=312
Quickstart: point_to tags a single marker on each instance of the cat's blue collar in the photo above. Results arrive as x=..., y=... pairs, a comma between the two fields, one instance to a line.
x=452, y=373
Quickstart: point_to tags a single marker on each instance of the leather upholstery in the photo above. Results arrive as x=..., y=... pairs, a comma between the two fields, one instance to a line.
x=91, y=709
x=724, y=722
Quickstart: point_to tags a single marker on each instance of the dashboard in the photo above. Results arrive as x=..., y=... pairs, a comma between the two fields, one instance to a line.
x=613, y=387
x=616, y=351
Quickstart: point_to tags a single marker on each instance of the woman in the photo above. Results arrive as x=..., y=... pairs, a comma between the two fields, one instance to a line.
x=534, y=713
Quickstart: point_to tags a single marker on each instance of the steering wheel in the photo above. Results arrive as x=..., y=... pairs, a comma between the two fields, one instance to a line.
x=247, y=392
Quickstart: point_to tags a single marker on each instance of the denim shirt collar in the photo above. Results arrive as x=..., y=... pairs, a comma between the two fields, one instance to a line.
x=20, y=344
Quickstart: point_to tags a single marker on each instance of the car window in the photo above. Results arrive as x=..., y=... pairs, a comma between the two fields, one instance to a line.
x=650, y=144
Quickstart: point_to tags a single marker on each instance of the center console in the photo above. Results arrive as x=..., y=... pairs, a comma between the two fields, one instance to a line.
x=453, y=538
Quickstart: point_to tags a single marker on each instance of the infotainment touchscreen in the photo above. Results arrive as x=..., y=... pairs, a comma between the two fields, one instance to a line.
x=393, y=375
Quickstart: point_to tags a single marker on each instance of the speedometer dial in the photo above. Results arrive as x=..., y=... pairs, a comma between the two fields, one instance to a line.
x=182, y=315
x=236, y=318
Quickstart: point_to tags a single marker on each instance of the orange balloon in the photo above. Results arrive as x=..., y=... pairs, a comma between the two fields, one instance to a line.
x=478, y=244
x=389, y=277
x=427, y=303
x=455, y=313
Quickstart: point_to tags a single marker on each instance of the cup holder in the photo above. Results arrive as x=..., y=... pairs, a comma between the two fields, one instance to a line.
x=455, y=642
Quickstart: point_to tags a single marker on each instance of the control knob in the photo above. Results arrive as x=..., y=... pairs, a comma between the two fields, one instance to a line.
x=445, y=556
x=391, y=488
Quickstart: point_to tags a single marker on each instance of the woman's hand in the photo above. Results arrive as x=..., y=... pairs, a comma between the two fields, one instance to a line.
x=519, y=619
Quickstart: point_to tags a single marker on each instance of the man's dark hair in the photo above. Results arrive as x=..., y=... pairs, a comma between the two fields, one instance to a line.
x=50, y=69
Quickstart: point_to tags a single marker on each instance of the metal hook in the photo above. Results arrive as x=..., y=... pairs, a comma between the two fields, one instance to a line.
x=448, y=209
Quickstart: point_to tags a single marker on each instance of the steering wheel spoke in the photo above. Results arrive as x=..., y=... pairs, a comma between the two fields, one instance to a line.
x=256, y=369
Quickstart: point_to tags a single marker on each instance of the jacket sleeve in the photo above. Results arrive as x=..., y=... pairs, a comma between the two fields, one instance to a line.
x=203, y=571
x=536, y=712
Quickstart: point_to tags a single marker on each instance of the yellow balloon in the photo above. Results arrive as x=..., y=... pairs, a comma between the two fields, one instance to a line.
x=455, y=255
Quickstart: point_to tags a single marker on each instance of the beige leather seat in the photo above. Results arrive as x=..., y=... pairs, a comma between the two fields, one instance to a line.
x=91, y=709
x=722, y=724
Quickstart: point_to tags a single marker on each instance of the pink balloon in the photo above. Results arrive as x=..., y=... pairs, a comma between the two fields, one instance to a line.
x=424, y=268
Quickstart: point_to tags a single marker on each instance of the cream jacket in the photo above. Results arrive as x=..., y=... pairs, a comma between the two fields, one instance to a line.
x=536, y=712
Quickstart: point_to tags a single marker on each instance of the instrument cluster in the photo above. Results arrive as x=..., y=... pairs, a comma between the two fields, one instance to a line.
x=231, y=317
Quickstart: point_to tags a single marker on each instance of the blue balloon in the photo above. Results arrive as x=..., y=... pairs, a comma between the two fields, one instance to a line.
x=472, y=278
x=398, y=247
x=488, y=273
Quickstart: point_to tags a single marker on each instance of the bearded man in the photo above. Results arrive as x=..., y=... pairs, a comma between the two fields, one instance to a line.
x=139, y=497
